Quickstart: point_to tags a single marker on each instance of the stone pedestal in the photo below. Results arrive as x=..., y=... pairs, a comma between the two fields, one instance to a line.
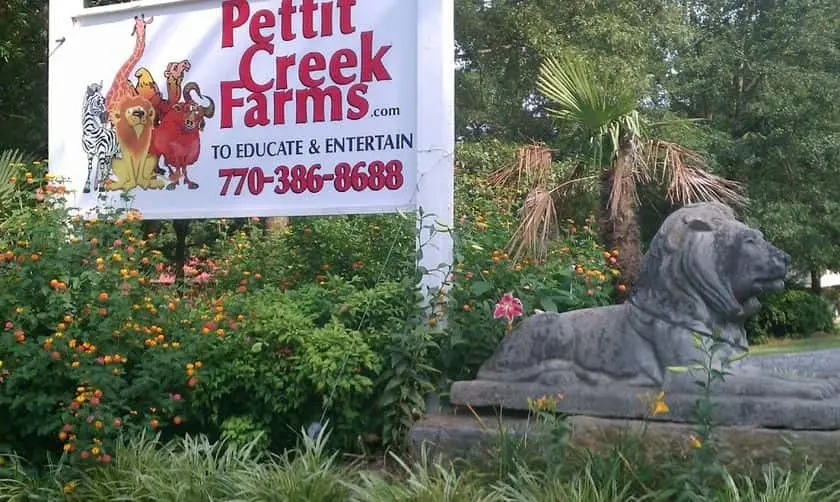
x=459, y=435
x=634, y=403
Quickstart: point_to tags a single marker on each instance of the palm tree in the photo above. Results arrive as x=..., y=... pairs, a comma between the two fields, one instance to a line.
x=623, y=156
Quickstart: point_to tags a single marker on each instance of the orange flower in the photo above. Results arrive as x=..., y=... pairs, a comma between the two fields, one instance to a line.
x=694, y=442
x=659, y=405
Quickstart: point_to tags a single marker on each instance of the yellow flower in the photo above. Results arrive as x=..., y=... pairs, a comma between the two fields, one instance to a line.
x=694, y=442
x=659, y=405
x=68, y=488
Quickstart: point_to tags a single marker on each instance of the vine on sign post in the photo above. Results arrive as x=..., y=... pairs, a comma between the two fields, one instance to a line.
x=409, y=376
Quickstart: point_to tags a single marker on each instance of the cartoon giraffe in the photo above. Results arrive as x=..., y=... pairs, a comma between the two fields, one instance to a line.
x=121, y=86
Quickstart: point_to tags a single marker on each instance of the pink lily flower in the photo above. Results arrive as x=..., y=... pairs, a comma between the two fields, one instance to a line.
x=508, y=307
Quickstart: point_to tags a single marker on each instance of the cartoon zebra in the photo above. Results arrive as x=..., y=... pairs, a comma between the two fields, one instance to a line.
x=99, y=139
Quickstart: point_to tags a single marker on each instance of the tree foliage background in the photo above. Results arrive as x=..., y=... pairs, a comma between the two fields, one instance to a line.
x=761, y=76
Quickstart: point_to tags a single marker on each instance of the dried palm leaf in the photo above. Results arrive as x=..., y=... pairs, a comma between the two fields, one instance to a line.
x=538, y=221
x=533, y=162
x=683, y=172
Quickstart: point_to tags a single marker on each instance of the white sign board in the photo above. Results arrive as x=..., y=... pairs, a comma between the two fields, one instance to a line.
x=234, y=108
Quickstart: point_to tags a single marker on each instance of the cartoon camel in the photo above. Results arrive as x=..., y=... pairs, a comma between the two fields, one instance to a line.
x=149, y=89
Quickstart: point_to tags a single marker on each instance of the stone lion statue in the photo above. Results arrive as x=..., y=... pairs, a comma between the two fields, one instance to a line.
x=702, y=274
x=700, y=277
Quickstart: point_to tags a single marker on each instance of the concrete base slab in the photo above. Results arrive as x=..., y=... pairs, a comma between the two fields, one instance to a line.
x=771, y=411
x=460, y=435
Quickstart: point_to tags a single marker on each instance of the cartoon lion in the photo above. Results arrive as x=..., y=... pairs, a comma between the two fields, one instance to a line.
x=134, y=121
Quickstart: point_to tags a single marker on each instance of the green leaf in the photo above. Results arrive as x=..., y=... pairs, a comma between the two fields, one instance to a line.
x=548, y=304
x=478, y=288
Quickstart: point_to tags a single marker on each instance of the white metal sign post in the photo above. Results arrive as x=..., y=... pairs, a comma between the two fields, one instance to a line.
x=235, y=108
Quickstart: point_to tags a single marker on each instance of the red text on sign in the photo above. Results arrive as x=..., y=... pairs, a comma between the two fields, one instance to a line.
x=337, y=82
x=299, y=179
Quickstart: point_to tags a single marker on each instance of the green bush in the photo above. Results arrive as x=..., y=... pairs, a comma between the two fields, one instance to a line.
x=792, y=313
x=292, y=360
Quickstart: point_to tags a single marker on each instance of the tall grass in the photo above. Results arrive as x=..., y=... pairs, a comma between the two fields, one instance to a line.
x=425, y=481
x=195, y=469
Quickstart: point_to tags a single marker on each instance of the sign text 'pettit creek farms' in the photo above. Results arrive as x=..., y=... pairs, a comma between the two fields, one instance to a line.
x=340, y=78
x=246, y=107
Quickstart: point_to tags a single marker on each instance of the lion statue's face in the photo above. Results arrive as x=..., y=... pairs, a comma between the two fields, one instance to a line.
x=754, y=265
x=704, y=269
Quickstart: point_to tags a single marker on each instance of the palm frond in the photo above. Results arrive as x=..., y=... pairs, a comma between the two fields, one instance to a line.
x=683, y=171
x=533, y=162
x=538, y=221
x=11, y=161
x=577, y=97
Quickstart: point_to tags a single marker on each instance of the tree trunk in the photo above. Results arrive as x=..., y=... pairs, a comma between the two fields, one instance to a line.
x=816, y=281
x=182, y=229
x=622, y=232
x=276, y=225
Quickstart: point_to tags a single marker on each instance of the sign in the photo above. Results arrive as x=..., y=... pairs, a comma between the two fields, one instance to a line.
x=235, y=108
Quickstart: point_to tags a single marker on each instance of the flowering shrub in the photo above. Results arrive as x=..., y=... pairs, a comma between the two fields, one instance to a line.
x=267, y=331
x=576, y=273
x=299, y=353
x=91, y=347
x=98, y=341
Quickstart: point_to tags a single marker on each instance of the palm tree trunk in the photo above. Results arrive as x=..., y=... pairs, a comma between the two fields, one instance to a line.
x=621, y=232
